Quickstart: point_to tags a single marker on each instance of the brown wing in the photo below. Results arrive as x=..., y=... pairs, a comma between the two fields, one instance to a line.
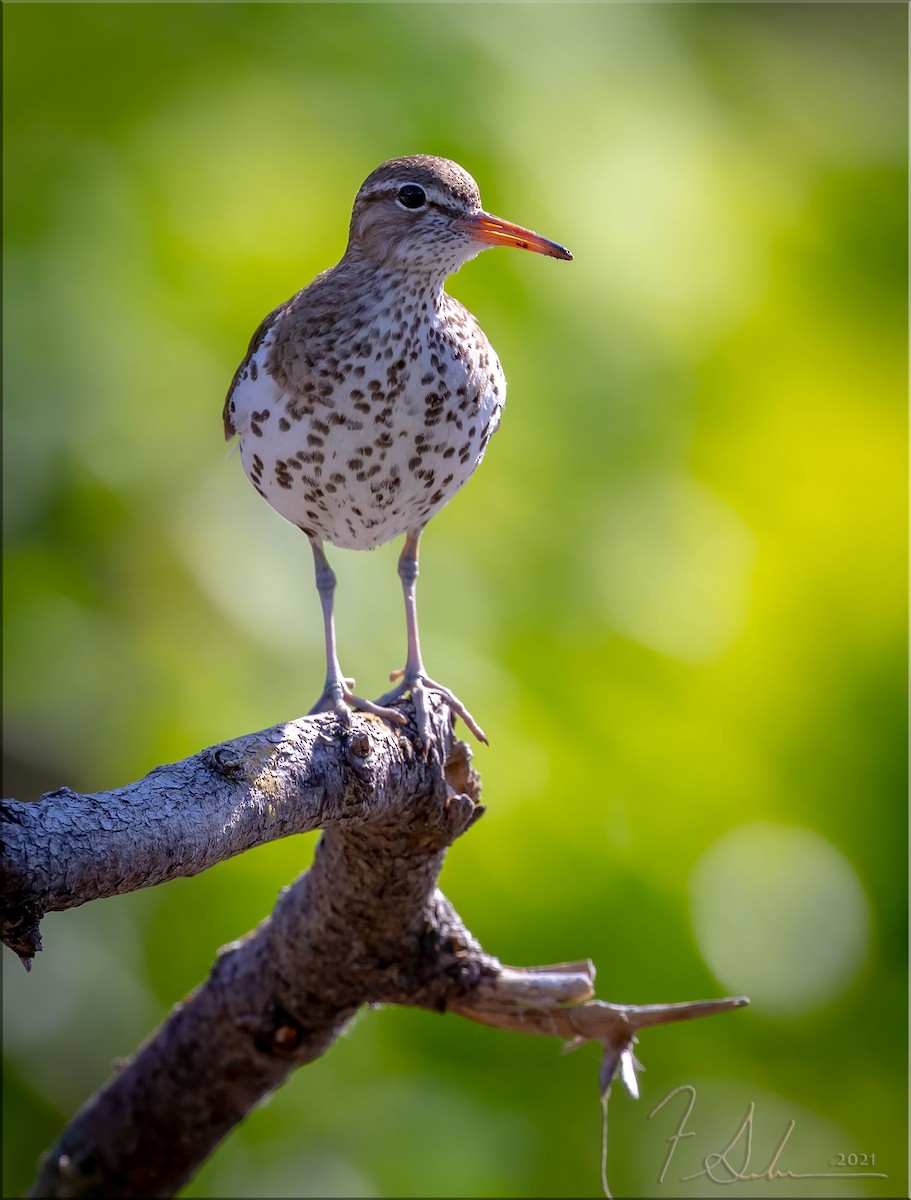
x=313, y=309
x=255, y=342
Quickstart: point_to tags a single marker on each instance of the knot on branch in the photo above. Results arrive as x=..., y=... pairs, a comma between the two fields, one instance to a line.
x=274, y=1031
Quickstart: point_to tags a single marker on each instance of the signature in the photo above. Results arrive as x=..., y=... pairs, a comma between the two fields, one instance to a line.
x=718, y=1166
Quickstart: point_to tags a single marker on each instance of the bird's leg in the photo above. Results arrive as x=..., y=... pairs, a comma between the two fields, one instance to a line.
x=414, y=677
x=337, y=695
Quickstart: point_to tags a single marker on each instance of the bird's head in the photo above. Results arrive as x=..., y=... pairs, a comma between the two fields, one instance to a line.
x=423, y=215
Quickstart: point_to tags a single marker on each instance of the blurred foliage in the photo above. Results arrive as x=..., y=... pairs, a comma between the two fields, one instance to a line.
x=674, y=595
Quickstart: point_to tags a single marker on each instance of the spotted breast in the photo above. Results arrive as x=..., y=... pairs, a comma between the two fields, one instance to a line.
x=359, y=422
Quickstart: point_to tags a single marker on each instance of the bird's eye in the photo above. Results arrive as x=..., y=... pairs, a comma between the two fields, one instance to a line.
x=411, y=196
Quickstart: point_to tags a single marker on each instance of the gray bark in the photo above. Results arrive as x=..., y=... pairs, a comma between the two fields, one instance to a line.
x=365, y=924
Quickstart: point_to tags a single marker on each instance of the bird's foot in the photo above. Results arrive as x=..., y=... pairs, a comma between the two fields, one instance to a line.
x=338, y=697
x=421, y=687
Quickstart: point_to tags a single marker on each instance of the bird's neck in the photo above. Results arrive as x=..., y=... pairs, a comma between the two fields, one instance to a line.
x=387, y=280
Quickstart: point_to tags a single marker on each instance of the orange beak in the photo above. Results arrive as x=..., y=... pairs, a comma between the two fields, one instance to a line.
x=497, y=232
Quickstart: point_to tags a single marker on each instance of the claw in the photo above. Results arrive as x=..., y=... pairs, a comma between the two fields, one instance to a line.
x=413, y=678
x=337, y=695
x=341, y=701
x=420, y=686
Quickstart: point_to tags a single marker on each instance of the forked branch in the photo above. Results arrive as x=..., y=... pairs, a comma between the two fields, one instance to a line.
x=366, y=924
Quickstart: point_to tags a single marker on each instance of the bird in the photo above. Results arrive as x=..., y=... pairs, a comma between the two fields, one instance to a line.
x=367, y=400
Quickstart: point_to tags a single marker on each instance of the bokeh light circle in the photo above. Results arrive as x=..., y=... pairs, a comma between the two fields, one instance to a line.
x=780, y=915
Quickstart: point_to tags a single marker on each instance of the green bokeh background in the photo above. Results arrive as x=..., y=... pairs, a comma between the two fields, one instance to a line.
x=674, y=595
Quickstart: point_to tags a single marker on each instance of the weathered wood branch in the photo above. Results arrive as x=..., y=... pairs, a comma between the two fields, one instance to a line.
x=365, y=924
x=66, y=848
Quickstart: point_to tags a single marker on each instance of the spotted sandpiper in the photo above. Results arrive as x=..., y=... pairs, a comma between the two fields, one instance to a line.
x=367, y=400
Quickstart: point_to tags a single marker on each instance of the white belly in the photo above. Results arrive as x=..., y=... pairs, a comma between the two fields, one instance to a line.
x=375, y=451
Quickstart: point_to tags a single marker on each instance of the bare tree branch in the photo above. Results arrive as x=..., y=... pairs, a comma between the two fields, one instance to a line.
x=66, y=848
x=365, y=924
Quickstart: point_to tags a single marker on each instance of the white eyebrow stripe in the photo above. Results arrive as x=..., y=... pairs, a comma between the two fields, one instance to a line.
x=385, y=188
